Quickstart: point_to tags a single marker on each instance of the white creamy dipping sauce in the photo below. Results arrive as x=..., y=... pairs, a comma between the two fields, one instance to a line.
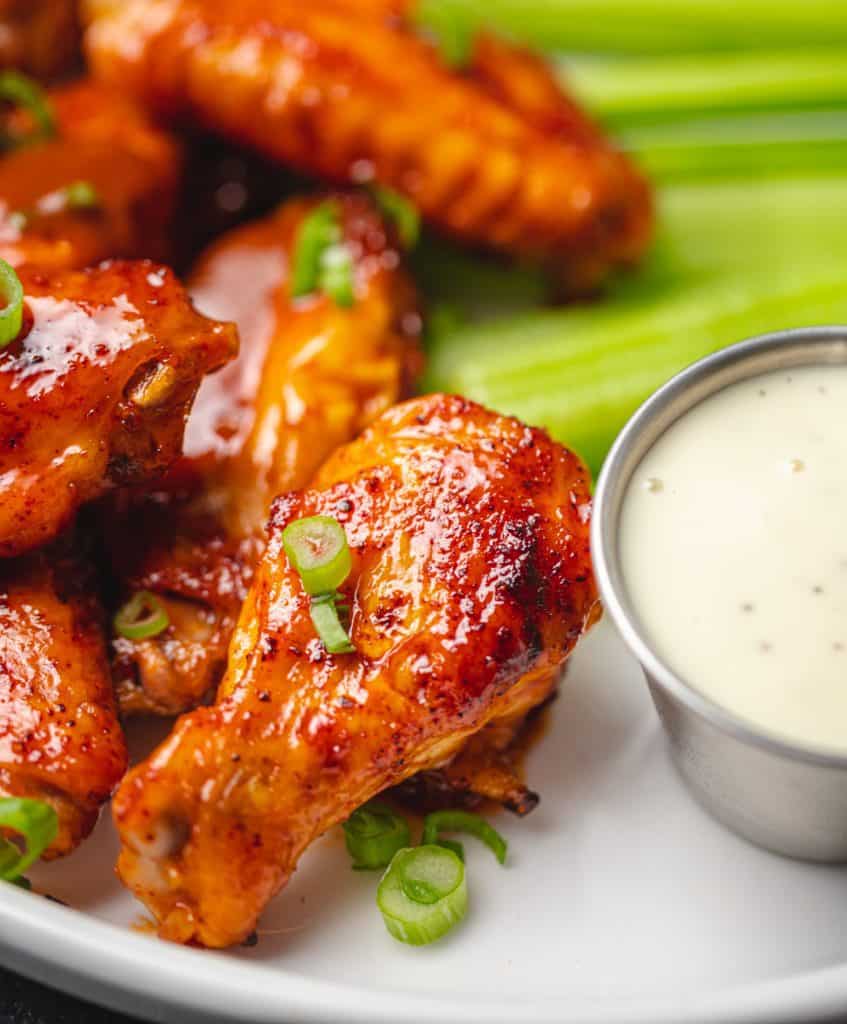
x=733, y=547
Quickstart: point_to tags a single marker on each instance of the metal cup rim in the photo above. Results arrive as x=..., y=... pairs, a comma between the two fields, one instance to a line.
x=775, y=350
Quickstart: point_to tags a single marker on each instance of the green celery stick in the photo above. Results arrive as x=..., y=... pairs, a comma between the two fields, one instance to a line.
x=629, y=91
x=648, y=26
x=742, y=145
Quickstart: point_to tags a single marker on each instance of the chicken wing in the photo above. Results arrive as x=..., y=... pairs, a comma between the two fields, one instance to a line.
x=309, y=377
x=95, y=390
x=495, y=157
x=104, y=141
x=38, y=36
x=59, y=735
x=471, y=583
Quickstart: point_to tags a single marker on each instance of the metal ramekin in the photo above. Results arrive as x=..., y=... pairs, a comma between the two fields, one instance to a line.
x=786, y=797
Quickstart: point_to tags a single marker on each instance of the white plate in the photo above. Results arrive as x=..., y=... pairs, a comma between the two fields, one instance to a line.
x=622, y=901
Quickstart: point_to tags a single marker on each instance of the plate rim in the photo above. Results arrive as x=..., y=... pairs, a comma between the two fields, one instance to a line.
x=139, y=974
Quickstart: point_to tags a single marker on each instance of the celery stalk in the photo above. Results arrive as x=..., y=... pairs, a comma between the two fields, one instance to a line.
x=588, y=393
x=731, y=261
x=650, y=26
x=742, y=145
x=629, y=91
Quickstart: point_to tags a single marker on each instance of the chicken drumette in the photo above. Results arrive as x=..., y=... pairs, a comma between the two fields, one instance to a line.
x=346, y=90
x=59, y=735
x=309, y=377
x=128, y=168
x=471, y=583
x=95, y=390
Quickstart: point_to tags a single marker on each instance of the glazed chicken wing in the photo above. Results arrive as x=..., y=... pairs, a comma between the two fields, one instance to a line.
x=95, y=390
x=59, y=735
x=38, y=36
x=309, y=377
x=344, y=89
x=471, y=583
x=105, y=142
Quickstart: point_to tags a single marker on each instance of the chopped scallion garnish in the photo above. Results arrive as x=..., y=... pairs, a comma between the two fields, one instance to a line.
x=142, y=617
x=33, y=825
x=12, y=294
x=317, y=549
x=25, y=94
x=81, y=195
x=322, y=261
x=336, y=279
x=423, y=894
x=373, y=834
x=327, y=622
x=401, y=212
x=464, y=821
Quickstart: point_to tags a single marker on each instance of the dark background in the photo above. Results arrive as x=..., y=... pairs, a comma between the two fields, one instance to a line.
x=25, y=1002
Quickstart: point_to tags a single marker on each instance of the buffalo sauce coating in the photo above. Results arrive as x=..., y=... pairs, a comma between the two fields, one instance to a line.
x=353, y=94
x=309, y=377
x=471, y=584
x=39, y=36
x=95, y=390
x=60, y=740
x=102, y=139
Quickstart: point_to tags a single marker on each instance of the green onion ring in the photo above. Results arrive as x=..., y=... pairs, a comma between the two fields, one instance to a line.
x=423, y=894
x=318, y=230
x=464, y=821
x=373, y=834
x=317, y=548
x=325, y=619
x=11, y=315
x=401, y=212
x=81, y=195
x=36, y=823
x=131, y=621
x=337, y=275
x=23, y=92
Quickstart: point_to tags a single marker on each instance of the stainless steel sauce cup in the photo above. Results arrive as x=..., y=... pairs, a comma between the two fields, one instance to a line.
x=786, y=797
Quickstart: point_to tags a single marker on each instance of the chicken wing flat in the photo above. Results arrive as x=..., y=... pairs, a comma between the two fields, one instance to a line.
x=59, y=735
x=471, y=583
x=309, y=377
x=105, y=142
x=38, y=36
x=95, y=390
x=496, y=157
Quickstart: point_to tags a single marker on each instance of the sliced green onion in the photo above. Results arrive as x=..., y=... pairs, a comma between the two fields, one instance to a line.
x=317, y=548
x=36, y=823
x=402, y=213
x=81, y=195
x=24, y=93
x=373, y=834
x=319, y=230
x=464, y=821
x=142, y=617
x=322, y=262
x=336, y=276
x=423, y=894
x=326, y=621
x=11, y=315
x=452, y=844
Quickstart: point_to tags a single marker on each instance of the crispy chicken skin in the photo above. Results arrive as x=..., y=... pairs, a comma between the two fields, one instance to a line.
x=495, y=157
x=309, y=377
x=471, y=584
x=59, y=735
x=40, y=37
x=102, y=139
x=95, y=390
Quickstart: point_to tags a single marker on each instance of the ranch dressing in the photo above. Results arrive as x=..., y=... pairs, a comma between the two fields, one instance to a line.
x=733, y=545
